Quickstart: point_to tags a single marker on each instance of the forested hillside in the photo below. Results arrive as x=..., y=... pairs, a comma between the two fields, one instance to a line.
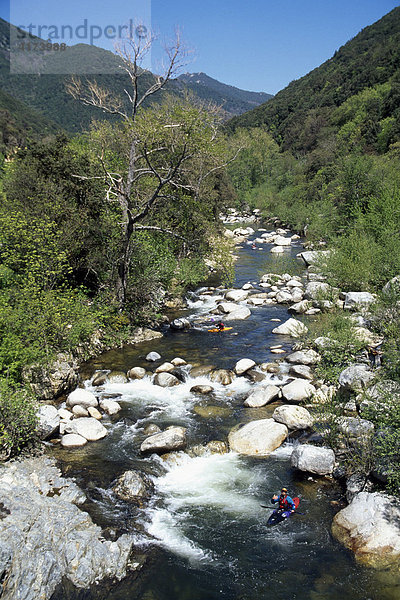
x=300, y=114
x=324, y=154
x=42, y=88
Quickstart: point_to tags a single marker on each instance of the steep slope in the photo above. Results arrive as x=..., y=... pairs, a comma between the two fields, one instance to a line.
x=19, y=122
x=234, y=100
x=369, y=59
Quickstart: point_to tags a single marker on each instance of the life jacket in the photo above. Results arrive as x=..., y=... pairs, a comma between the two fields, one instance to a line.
x=283, y=503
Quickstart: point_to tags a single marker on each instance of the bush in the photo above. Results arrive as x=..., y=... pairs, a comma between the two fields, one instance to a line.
x=344, y=346
x=17, y=419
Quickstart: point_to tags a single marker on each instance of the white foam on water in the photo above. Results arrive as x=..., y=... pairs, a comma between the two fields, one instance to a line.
x=220, y=482
x=172, y=402
x=284, y=451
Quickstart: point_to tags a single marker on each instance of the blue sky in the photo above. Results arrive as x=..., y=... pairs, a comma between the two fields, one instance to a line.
x=258, y=45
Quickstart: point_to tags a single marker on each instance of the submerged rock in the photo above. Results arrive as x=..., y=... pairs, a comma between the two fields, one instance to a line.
x=369, y=527
x=222, y=376
x=258, y=438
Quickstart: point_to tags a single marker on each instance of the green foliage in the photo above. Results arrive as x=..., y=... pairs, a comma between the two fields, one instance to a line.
x=17, y=419
x=343, y=347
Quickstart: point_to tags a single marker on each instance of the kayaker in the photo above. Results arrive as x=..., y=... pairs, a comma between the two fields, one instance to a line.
x=220, y=326
x=285, y=501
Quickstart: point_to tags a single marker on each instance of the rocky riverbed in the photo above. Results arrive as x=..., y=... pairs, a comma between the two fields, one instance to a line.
x=215, y=399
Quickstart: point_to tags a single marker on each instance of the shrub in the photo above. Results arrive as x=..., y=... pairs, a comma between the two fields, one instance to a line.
x=17, y=419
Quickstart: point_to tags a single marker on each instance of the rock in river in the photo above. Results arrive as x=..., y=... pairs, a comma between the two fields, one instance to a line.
x=165, y=380
x=132, y=486
x=222, y=376
x=244, y=365
x=313, y=459
x=298, y=390
x=82, y=397
x=258, y=438
x=173, y=438
x=291, y=327
x=262, y=396
x=88, y=427
x=370, y=527
x=294, y=417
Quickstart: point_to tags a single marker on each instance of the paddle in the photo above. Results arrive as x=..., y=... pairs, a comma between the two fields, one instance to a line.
x=296, y=512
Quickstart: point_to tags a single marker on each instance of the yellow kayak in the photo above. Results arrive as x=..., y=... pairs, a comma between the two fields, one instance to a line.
x=216, y=329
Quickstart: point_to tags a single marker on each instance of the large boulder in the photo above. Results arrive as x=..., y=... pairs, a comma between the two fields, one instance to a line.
x=291, y=327
x=45, y=537
x=258, y=438
x=236, y=295
x=48, y=421
x=165, y=380
x=355, y=378
x=226, y=307
x=357, y=300
x=240, y=314
x=284, y=297
x=313, y=459
x=261, y=396
x=298, y=390
x=173, y=438
x=317, y=290
x=244, y=365
x=369, y=527
x=166, y=367
x=282, y=241
x=82, y=397
x=304, y=357
x=300, y=307
x=132, y=486
x=49, y=382
x=87, y=427
x=294, y=417
x=313, y=257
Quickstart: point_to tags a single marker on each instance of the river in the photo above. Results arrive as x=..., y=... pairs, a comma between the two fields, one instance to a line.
x=204, y=533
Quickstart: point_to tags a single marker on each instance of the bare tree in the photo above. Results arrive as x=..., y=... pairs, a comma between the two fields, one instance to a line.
x=163, y=154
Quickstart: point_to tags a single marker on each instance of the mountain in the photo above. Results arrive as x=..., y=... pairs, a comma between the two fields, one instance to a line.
x=234, y=100
x=370, y=59
x=42, y=86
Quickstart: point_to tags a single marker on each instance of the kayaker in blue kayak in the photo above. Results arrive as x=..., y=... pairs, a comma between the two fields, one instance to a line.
x=285, y=501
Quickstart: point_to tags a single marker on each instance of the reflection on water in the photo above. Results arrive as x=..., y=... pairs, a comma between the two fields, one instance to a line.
x=204, y=533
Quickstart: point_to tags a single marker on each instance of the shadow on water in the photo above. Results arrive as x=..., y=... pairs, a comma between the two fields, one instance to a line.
x=204, y=533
